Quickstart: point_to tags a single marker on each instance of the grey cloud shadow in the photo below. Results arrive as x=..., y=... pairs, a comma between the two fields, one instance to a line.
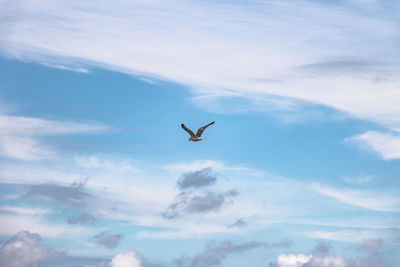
x=194, y=203
x=82, y=218
x=73, y=195
x=197, y=179
x=345, y=65
x=215, y=252
x=107, y=240
x=239, y=223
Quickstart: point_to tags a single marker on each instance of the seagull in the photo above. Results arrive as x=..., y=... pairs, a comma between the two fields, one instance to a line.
x=196, y=137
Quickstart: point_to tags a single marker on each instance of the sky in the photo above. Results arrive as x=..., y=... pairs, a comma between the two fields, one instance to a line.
x=300, y=169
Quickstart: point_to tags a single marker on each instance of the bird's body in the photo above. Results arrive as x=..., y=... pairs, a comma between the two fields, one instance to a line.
x=196, y=137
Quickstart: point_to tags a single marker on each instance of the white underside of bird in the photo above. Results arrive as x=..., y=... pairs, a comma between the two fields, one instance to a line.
x=196, y=137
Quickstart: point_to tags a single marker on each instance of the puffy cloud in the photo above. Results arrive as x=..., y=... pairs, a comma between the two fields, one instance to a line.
x=108, y=240
x=302, y=260
x=319, y=259
x=196, y=179
x=25, y=250
x=129, y=259
x=292, y=260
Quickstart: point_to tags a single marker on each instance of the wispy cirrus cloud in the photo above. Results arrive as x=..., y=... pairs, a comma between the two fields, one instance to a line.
x=386, y=145
x=333, y=55
x=20, y=135
x=371, y=200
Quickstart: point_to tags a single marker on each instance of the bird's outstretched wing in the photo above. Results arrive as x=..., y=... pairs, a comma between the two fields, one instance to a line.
x=201, y=130
x=188, y=130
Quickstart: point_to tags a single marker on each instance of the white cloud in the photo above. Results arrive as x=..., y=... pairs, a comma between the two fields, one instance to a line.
x=129, y=259
x=350, y=236
x=11, y=224
x=24, y=210
x=361, y=179
x=225, y=49
x=19, y=136
x=25, y=250
x=387, y=145
x=292, y=260
x=139, y=197
x=372, y=200
x=302, y=260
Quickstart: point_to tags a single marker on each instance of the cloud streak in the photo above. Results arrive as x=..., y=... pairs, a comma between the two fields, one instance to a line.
x=365, y=199
x=146, y=41
x=20, y=136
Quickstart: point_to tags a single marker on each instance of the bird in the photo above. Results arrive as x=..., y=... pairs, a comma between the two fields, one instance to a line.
x=196, y=137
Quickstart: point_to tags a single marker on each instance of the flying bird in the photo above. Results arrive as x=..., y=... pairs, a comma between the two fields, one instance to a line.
x=196, y=137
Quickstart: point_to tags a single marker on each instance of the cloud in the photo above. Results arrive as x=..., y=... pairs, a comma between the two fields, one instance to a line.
x=214, y=252
x=346, y=235
x=19, y=136
x=343, y=66
x=292, y=260
x=361, y=179
x=319, y=257
x=129, y=259
x=239, y=223
x=195, y=201
x=196, y=179
x=387, y=145
x=321, y=248
x=25, y=210
x=142, y=39
x=189, y=203
x=371, y=244
x=73, y=195
x=373, y=259
x=82, y=218
x=370, y=200
x=25, y=250
x=108, y=240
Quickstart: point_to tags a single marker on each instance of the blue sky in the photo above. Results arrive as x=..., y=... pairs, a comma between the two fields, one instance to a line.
x=301, y=167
